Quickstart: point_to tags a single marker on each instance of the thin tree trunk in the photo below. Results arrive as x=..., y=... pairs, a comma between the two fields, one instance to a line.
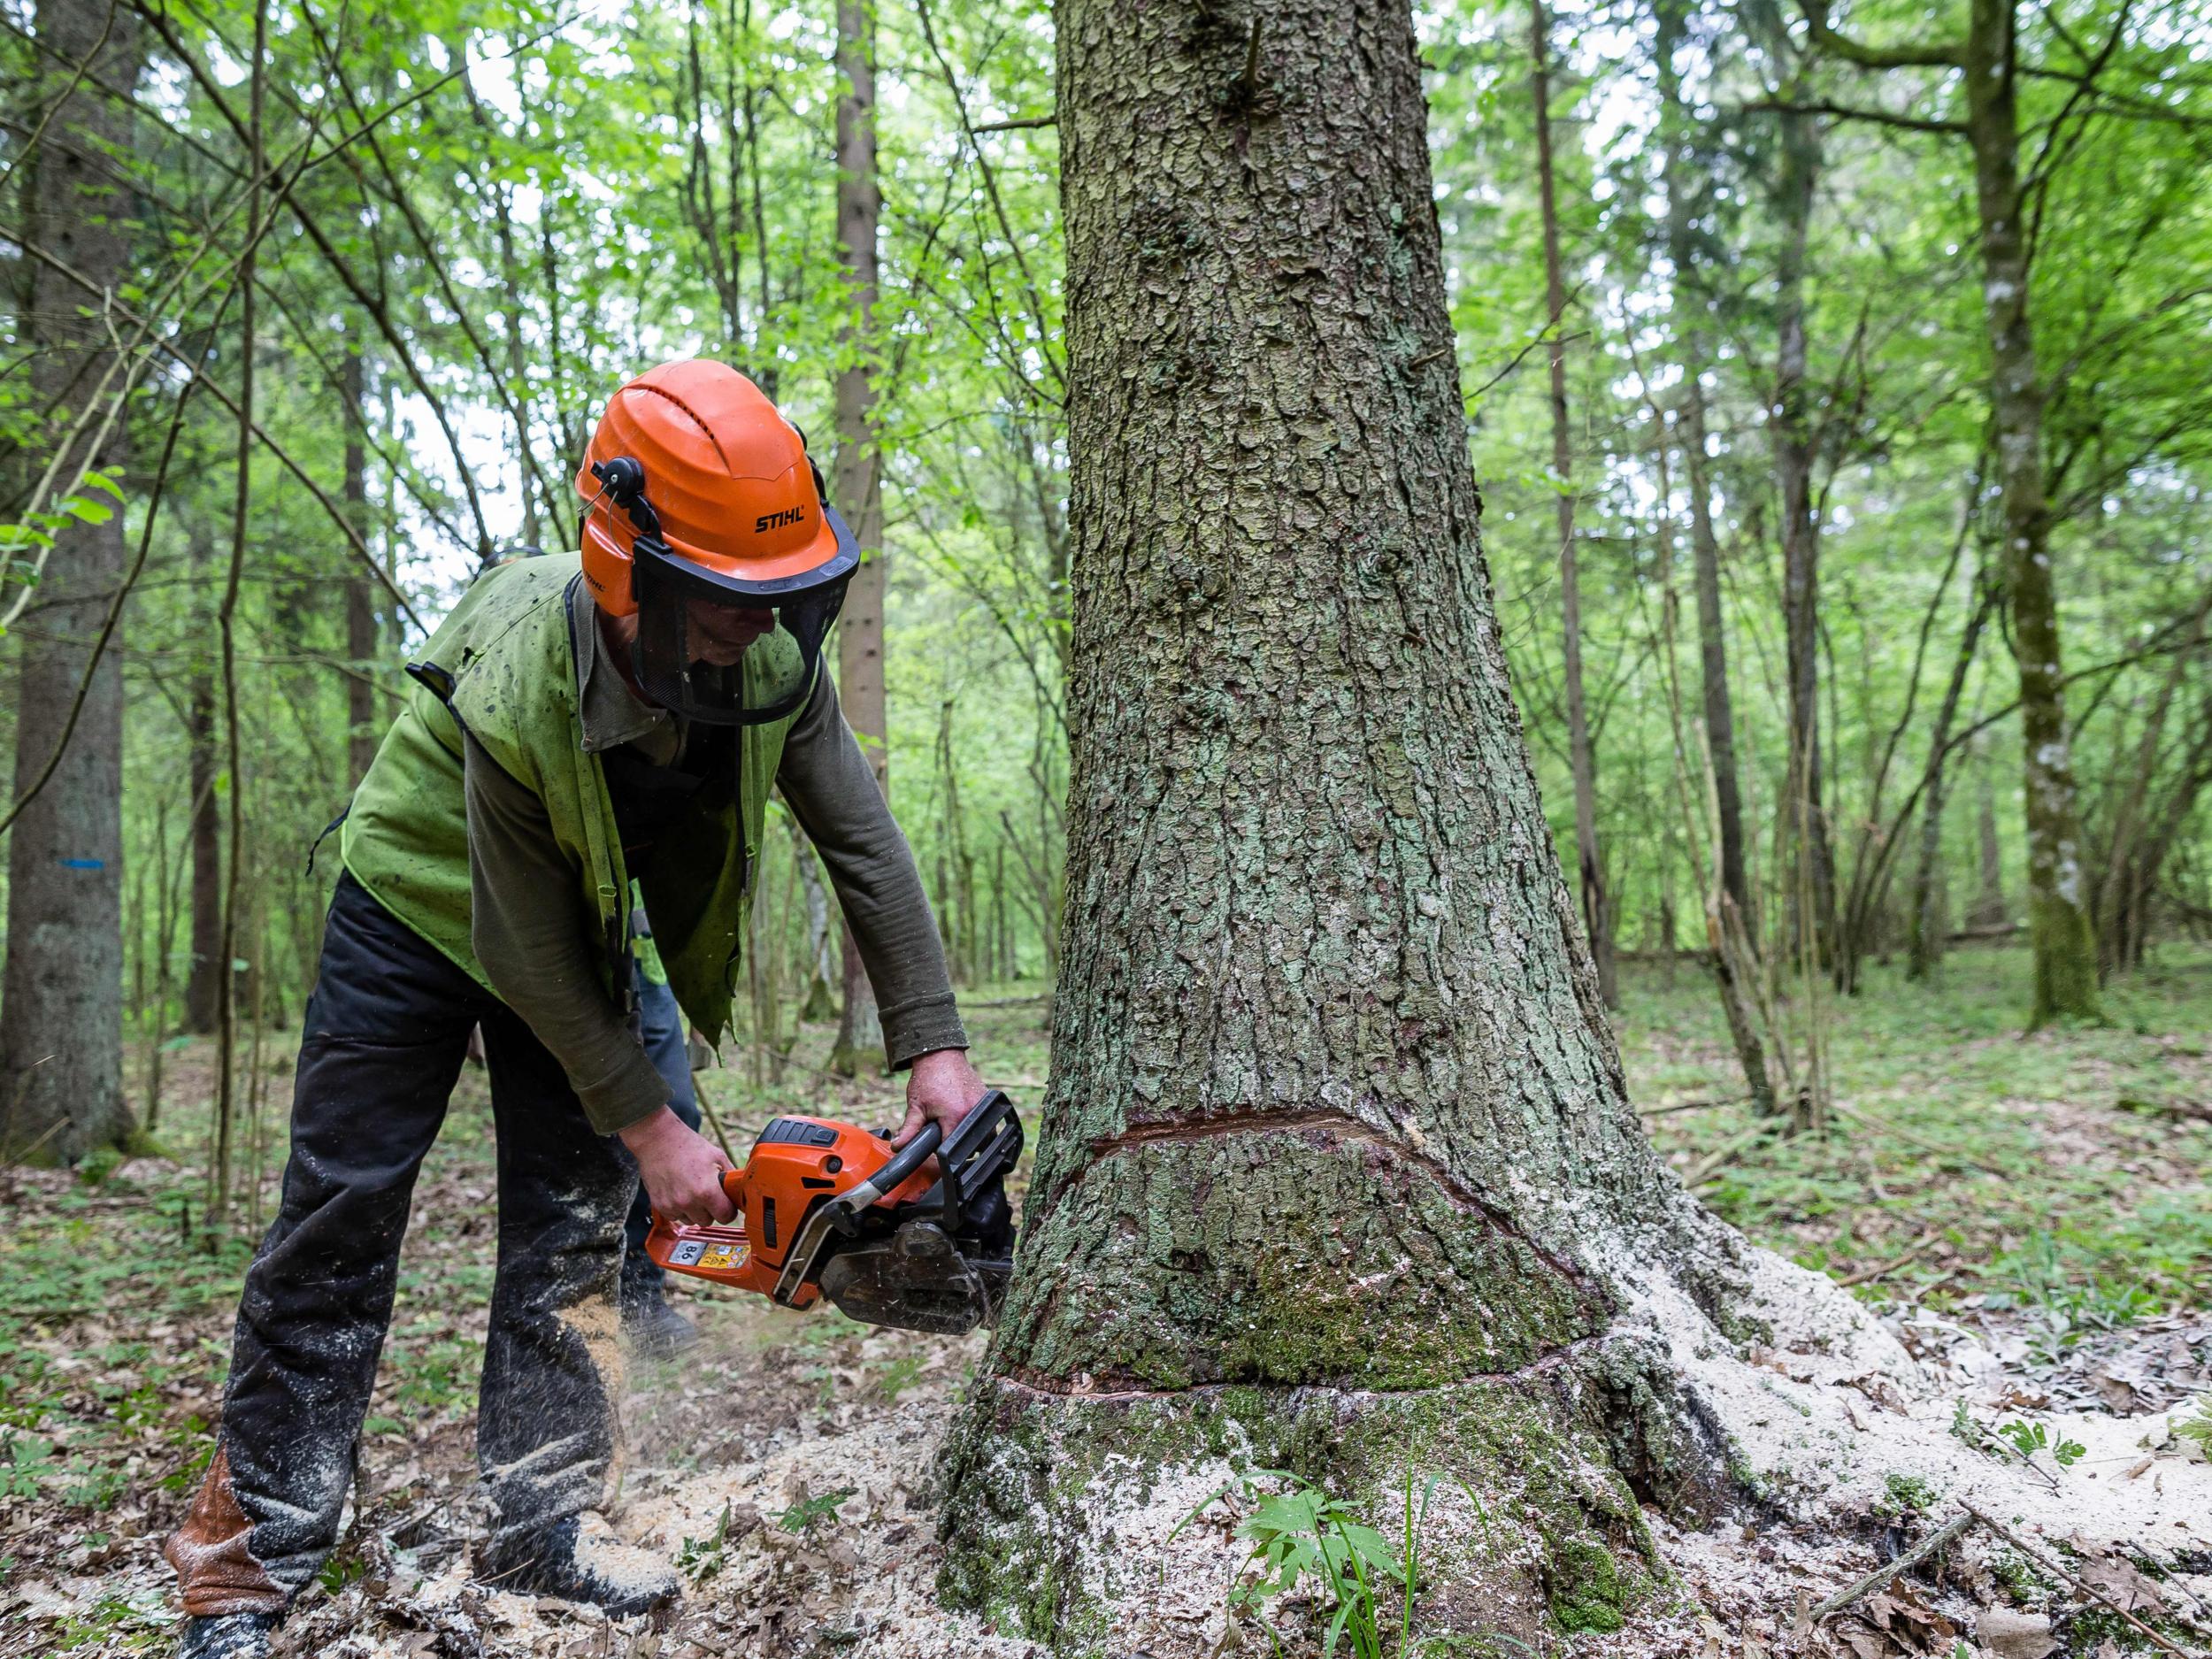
x=1597, y=921
x=1989, y=906
x=1814, y=882
x=2120, y=888
x=1337, y=1171
x=1731, y=924
x=857, y=480
x=203, y=982
x=362, y=591
x=61, y=993
x=227, y=618
x=1924, y=948
x=164, y=944
x=2058, y=905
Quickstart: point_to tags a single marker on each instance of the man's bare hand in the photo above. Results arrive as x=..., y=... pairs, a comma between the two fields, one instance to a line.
x=681, y=1169
x=942, y=1088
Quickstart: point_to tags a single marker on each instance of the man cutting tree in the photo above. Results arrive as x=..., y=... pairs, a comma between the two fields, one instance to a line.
x=575, y=725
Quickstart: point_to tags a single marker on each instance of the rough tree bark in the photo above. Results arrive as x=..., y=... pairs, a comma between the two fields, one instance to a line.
x=1338, y=1172
x=857, y=480
x=1597, y=920
x=2058, y=906
x=61, y=997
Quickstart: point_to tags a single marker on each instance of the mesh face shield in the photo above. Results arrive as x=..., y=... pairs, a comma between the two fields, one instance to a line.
x=716, y=647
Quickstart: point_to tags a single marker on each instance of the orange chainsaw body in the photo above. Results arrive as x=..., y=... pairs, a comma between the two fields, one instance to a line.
x=798, y=1165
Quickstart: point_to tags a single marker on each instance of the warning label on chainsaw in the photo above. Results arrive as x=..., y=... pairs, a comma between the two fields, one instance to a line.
x=701, y=1253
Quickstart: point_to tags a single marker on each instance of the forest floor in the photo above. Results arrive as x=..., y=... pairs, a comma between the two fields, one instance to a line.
x=2043, y=1204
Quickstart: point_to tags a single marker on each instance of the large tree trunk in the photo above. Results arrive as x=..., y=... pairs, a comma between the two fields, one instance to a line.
x=856, y=478
x=1811, y=872
x=61, y=997
x=1337, y=1171
x=2058, y=906
x=1597, y=920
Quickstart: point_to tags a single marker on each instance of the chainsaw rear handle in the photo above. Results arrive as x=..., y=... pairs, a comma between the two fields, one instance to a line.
x=987, y=1143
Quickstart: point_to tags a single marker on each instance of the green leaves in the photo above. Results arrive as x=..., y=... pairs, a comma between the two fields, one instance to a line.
x=1305, y=1542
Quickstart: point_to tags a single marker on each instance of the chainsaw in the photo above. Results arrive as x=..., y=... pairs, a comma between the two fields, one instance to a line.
x=825, y=1209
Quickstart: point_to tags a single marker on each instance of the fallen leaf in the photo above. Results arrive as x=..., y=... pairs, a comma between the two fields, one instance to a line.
x=2116, y=1577
x=2117, y=1393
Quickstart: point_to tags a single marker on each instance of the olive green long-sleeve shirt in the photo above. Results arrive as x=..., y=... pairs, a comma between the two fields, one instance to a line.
x=530, y=933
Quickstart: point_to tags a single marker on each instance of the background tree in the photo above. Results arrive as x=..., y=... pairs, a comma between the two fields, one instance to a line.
x=61, y=1035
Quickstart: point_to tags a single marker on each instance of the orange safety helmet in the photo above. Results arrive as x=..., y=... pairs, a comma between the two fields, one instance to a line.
x=704, y=519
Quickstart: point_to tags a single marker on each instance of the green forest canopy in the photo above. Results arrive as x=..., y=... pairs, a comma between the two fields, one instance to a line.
x=475, y=223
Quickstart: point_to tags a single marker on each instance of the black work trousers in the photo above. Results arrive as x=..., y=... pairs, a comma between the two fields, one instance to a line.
x=386, y=1031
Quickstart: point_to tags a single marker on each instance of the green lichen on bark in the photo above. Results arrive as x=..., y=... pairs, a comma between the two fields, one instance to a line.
x=1287, y=1256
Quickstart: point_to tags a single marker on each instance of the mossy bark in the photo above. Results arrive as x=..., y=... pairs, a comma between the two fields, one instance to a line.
x=2059, y=927
x=1337, y=1165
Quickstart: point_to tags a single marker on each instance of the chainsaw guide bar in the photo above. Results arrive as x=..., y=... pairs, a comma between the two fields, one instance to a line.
x=826, y=1208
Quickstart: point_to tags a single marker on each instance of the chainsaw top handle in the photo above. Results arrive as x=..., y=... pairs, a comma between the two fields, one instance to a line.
x=847, y=1206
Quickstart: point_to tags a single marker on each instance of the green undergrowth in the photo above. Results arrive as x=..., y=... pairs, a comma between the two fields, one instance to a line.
x=2059, y=1176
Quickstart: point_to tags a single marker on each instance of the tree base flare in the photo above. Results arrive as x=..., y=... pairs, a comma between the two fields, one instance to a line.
x=1089, y=1519
x=1092, y=1520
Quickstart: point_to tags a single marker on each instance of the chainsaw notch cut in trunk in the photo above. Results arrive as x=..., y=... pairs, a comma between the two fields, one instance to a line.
x=1338, y=1172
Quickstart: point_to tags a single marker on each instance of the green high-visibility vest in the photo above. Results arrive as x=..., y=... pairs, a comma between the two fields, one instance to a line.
x=504, y=665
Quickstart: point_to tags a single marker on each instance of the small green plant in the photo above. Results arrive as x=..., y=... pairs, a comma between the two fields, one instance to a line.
x=341, y=1570
x=807, y=1513
x=1967, y=1427
x=2197, y=1430
x=2028, y=1438
x=1908, y=1494
x=1301, y=1533
x=701, y=1558
x=113, y=1622
x=25, y=1460
x=899, y=1375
